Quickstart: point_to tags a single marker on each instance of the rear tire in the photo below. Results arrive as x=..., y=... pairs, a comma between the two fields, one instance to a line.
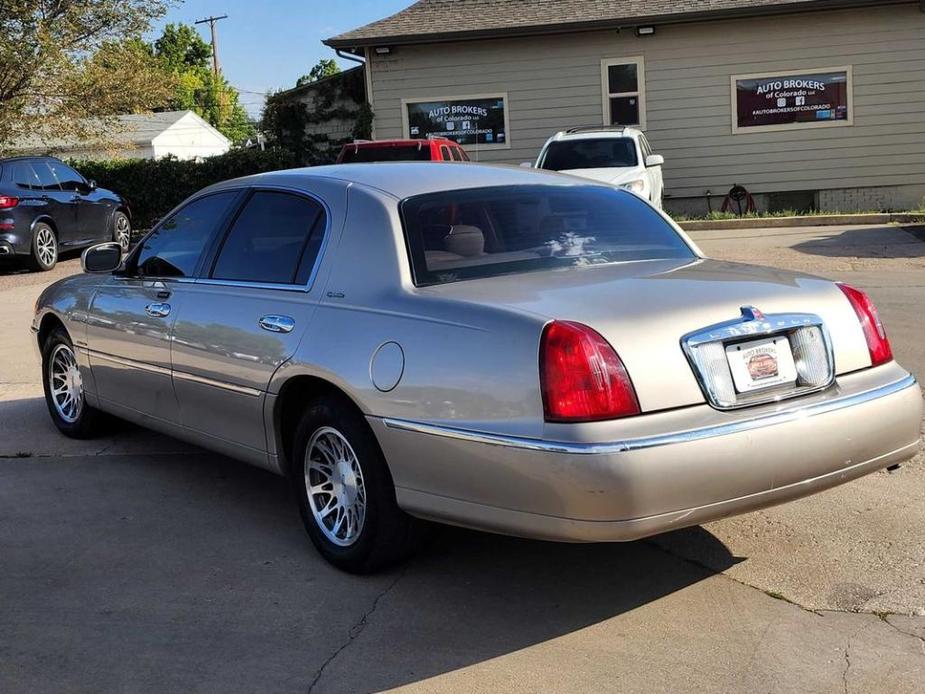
x=44, y=248
x=122, y=230
x=345, y=492
x=64, y=394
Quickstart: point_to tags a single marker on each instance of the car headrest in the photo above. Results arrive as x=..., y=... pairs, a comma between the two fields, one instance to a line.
x=465, y=240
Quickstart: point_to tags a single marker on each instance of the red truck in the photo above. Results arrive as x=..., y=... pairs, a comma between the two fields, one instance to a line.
x=431, y=149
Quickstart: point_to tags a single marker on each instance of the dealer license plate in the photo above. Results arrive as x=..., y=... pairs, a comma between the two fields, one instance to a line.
x=761, y=364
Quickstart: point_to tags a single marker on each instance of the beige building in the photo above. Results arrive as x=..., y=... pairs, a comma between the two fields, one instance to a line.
x=807, y=103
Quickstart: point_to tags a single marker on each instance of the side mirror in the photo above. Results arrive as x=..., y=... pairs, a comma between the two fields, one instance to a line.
x=655, y=160
x=526, y=164
x=103, y=257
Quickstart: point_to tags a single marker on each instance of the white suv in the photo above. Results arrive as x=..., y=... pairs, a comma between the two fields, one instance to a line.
x=617, y=155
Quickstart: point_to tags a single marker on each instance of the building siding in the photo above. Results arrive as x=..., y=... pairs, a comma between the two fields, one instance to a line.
x=554, y=82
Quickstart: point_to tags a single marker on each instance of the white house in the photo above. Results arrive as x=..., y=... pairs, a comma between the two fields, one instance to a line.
x=182, y=134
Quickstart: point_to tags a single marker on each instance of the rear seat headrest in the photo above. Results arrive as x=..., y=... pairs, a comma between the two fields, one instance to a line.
x=465, y=240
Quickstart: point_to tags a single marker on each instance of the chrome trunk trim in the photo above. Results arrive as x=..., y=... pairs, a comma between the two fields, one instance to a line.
x=610, y=447
x=752, y=324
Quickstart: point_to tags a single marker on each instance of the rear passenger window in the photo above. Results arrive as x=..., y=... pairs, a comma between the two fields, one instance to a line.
x=46, y=179
x=174, y=248
x=455, y=153
x=463, y=155
x=445, y=153
x=24, y=176
x=274, y=240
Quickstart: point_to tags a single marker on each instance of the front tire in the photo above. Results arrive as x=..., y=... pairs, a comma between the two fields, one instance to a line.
x=122, y=230
x=64, y=393
x=44, y=247
x=345, y=492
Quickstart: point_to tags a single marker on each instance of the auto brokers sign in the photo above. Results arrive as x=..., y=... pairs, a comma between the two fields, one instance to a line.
x=474, y=121
x=790, y=100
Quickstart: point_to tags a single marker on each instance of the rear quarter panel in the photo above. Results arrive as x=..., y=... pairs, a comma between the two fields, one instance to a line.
x=465, y=364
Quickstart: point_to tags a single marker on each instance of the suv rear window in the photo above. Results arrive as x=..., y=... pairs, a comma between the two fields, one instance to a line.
x=603, y=153
x=486, y=232
x=419, y=152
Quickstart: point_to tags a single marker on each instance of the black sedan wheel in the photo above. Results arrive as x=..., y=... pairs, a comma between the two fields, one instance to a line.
x=122, y=230
x=44, y=247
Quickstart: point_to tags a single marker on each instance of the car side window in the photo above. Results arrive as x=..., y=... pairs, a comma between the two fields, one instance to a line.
x=646, y=148
x=24, y=176
x=274, y=240
x=462, y=154
x=68, y=179
x=445, y=153
x=173, y=249
x=455, y=152
x=46, y=179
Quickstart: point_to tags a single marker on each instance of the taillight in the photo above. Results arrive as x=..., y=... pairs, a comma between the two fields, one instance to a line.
x=877, y=342
x=582, y=378
x=8, y=202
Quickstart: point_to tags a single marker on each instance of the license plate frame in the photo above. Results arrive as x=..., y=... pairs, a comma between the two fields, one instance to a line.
x=761, y=364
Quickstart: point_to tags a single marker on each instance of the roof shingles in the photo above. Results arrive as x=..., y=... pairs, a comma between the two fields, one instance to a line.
x=432, y=19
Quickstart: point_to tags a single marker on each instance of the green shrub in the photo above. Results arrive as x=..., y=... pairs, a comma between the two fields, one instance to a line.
x=153, y=187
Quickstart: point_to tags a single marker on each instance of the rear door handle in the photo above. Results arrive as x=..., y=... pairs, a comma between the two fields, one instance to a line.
x=277, y=324
x=158, y=310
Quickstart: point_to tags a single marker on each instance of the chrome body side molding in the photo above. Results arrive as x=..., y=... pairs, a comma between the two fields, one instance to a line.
x=633, y=444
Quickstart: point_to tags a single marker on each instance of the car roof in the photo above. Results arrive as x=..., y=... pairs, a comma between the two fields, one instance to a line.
x=596, y=133
x=372, y=144
x=407, y=178
x=26, y=157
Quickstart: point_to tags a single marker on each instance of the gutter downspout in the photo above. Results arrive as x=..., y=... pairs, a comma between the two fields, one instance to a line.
x=368, y=74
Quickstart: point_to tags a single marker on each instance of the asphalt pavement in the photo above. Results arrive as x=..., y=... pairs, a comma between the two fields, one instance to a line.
x=136, y=563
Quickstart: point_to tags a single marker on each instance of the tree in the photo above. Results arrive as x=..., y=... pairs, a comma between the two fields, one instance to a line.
x=186, y=57
x=66, y=62
x=324, y=68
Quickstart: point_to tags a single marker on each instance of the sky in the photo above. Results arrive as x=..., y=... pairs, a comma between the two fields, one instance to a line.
x=269, y=44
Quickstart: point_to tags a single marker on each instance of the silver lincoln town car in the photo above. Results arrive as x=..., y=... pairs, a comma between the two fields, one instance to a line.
x=504, y=349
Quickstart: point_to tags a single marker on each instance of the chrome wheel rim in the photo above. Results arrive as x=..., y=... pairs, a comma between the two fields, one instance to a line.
x=65, y=384
x=123, y=231
x=335, y=486
x=46, y=247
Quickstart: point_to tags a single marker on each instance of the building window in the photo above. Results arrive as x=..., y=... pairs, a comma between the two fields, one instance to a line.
x=812, y=98
x=623, y=82
x=477, y=122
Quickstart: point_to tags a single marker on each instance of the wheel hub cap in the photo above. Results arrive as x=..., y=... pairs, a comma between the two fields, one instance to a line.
x=65, y=384
x=335, y=487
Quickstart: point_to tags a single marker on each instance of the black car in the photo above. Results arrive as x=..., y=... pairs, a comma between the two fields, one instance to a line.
x=47, y=207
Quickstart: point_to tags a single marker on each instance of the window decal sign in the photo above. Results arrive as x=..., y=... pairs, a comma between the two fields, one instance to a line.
x=792, y=100
x=477, y=121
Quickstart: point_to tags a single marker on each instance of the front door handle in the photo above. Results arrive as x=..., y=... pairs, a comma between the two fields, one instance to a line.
x=158, y=310
x=277, y=324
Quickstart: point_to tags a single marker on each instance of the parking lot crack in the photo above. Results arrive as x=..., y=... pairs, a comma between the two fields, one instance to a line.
x=921, y=640
x=844, y=675
x=354, y=631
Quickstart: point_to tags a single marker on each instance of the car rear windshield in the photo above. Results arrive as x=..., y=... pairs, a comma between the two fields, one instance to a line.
x=602, y=153
x=353, y=155
x=486, y=232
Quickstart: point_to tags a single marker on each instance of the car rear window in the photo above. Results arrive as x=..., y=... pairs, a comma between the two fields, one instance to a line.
x=419, y=152
x=603, y=153
x=486, y=232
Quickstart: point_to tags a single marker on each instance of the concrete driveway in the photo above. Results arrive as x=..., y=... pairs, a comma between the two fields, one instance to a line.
x=137, y=563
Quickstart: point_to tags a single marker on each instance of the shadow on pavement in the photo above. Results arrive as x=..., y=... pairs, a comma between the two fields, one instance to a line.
x=869, y=242
x=192, y=572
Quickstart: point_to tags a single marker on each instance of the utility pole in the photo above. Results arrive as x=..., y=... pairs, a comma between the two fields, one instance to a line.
x=211, y=22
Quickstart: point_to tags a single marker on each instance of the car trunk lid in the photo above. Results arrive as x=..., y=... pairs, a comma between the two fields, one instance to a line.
x=645, y=308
